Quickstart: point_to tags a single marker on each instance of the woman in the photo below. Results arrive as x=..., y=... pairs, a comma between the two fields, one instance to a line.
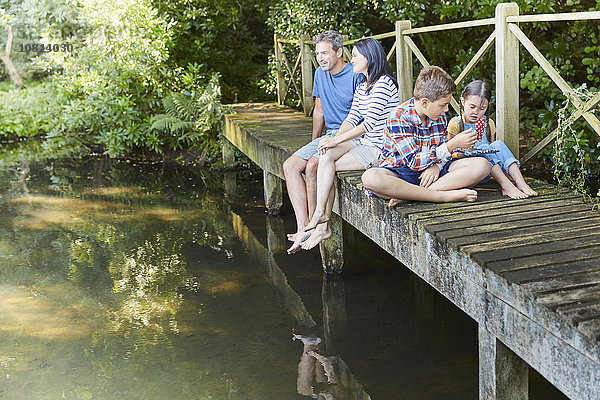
x=357, y=145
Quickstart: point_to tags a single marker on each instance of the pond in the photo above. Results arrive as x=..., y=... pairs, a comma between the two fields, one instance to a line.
x=123, y=280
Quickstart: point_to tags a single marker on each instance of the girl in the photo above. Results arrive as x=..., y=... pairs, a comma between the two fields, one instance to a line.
x=475, y=100
x=357, y=145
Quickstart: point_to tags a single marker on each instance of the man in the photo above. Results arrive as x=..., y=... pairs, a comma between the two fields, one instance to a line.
x=333, y=89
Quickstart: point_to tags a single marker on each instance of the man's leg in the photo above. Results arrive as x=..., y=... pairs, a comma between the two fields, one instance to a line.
x=293, y=168
x=311, y=185
x=385, y=183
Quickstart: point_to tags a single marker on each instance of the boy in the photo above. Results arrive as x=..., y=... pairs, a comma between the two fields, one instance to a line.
x=416, y=149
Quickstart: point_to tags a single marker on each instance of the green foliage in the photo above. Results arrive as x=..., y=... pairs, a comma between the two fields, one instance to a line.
x=228, y=37
x=576, y=153
x=191, y=119
x=25, y=113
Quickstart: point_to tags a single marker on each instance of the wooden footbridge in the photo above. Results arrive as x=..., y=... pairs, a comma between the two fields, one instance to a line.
x=527, y=271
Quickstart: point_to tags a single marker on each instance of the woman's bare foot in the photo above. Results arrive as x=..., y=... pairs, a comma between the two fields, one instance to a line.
x=321, y=233
x=525, y=188
x=513, y=192
x=292, y=237
x=299, y=237
x=460, y=195
x=318, y=218
x=394, y=202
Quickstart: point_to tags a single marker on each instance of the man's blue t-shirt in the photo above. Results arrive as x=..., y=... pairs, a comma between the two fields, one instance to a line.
x=336, y=93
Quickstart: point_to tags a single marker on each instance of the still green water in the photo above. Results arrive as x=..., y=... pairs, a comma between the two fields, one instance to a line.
x=127, y=281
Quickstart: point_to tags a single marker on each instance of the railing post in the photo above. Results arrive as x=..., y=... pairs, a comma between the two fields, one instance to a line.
x=507, y=78
x=278, y=64
x=307, y=73
x=404, y=65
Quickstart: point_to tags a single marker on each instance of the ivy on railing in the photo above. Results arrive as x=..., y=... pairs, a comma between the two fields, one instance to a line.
x=570, y=156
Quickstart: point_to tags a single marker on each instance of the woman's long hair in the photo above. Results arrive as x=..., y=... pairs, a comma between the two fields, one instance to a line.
x=377, y=64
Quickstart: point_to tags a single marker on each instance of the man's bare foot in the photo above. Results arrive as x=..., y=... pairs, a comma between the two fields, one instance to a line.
x=513, y=192
x=298, y=239
x=318, y=235
x=394, y=202
x=525, y=188
x=317, y=219
x=460, y=195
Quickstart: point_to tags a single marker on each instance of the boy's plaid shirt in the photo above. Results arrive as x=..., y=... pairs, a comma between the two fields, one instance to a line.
x=407, y=142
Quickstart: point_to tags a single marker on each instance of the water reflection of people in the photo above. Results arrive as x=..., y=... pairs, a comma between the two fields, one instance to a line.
x=317, y=374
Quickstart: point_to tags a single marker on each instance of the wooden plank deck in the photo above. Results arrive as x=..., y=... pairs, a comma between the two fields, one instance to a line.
x=528, y=271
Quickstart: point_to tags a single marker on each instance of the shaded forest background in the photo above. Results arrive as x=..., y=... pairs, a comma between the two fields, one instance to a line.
x=153, y=75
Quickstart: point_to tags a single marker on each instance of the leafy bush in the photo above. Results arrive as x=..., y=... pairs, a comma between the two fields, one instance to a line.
x=25, y=113
x=191, y=119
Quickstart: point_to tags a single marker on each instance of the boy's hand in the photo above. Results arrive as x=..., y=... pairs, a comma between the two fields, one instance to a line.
x=430, y=175
x=464, y=139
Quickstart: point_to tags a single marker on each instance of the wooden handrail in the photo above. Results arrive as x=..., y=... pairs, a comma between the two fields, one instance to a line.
x=379, y=36
x=574, y=16
x=288, y=41
x=454, y=25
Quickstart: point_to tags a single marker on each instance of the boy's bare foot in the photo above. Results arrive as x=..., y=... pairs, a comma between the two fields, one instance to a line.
x=298, y=239
x=525, y=188
x=394, y=202
x=460, y=195
x=318, y=218
x=321, y=233
x=513, y=192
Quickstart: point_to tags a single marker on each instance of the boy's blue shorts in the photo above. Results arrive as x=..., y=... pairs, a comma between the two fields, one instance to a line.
x=410, y=176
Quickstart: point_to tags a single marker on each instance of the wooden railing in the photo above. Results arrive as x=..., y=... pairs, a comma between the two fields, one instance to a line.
x=506, y=36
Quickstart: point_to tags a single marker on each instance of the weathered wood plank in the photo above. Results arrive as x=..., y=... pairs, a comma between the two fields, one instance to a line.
x=544, y=235
x=455, y=232
x=501, y=236
x=577, y=296
x=538, y=260
x=550, y=247
x=568, y=281
x=581, y=312
x=505, y=210
x=521, y=217
x=526, y=275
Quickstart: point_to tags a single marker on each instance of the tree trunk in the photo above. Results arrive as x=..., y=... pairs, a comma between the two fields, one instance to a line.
x=8, y=63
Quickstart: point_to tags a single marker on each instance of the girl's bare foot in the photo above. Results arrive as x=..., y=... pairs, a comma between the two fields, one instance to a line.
x=525, y=188
x=321, y=233
x=298, y=239
x=513, y=192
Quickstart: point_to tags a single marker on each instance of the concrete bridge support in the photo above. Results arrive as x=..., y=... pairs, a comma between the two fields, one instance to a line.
x=502, y=374
x=273, y=192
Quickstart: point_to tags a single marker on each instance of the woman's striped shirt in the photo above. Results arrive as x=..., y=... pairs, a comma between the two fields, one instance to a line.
x=372, y=109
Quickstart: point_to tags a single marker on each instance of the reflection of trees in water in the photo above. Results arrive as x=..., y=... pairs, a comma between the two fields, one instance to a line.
x=120, y=251
x=153, y=276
